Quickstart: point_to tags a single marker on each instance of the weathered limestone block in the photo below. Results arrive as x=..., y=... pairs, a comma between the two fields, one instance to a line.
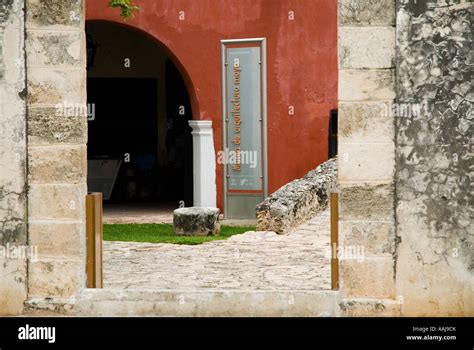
x=196, y=221
x=298, y=200
x=56, y=239
x=54, y=49
x=366, y=47
x=64, y=14
x=365, y=122
x=377, y=238
x=366, y=202
x=366, y=12
x=366, y=161
x=370, y=307
x=370, y=278
x=57, y=202
x=54, y=278
x=366, y=85
x=64, y=164
x=46, y=127
x=63, y=87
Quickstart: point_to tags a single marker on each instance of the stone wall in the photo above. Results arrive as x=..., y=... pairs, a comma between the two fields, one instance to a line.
x=405, y=166
x=13, y=235
x=366, y=155
x=298, y=200
x=435, y=254
x=57, y=164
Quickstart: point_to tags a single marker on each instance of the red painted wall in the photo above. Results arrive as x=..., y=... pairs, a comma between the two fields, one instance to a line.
x=301, y=67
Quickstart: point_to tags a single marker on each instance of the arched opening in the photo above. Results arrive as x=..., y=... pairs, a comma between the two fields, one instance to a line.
x=139, y=140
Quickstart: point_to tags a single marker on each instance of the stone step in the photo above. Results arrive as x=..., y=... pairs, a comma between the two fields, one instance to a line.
x=116, y=302
x=367, y=307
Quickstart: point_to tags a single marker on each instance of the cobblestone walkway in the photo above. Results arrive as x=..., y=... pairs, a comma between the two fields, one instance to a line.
x=253, y=260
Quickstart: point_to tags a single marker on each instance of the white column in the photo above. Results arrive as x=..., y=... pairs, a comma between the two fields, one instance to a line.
x=204, y=164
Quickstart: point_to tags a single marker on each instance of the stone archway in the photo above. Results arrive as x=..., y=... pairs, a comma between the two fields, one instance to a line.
x=140, y=105
x=204, y=160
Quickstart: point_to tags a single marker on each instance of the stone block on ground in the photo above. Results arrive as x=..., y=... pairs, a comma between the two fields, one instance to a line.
x=196, y=221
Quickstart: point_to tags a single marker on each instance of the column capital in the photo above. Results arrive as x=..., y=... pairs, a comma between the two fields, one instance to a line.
x=201, y=126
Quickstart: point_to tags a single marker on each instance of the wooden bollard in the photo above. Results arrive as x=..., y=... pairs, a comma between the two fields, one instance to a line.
x=94, y=240
x=334, y=241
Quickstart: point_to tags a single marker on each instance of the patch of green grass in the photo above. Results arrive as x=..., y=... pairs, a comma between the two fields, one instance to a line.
x=163, y=233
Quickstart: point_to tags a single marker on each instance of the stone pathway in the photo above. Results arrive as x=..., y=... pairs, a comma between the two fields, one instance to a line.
x=253, y=260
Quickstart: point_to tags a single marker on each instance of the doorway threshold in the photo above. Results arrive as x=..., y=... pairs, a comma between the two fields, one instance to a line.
x=208, y=303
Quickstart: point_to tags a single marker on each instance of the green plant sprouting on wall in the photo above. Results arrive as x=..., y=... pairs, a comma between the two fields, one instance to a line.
x=127, y=8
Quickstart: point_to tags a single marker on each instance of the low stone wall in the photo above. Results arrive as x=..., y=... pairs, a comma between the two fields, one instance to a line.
x=298, y=200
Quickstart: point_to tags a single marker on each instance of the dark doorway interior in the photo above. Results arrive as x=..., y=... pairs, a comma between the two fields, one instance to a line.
x=178, y=137
x=125, y=115
x=332, y=138
x=124, y=128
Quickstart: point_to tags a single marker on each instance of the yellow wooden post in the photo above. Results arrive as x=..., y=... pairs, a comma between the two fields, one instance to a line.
x=94, y=240
x=334, y=241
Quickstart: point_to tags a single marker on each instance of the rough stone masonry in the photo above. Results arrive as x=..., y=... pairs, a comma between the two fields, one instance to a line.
x=298, y=200
x=434, y=158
